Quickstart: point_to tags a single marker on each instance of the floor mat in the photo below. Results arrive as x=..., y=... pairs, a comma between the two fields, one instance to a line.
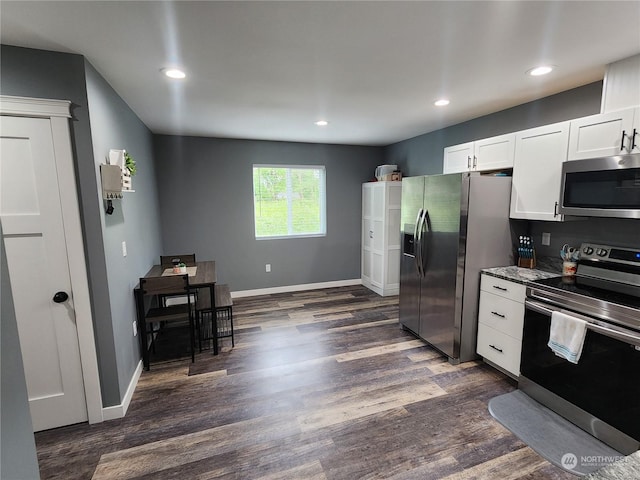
x=550, y=435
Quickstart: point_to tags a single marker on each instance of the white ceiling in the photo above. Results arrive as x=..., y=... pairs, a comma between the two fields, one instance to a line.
x=268, y=70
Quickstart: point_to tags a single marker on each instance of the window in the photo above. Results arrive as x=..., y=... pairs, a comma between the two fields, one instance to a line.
x=289, y=201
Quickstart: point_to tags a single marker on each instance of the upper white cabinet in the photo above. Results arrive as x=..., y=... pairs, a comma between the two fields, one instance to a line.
x=535, y=187
x=493, y=153
x=621, y=85
x=381, y=236
x=458, y=158
x=605, y=134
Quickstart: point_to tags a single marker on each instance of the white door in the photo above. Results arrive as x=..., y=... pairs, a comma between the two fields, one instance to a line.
x=31, y=216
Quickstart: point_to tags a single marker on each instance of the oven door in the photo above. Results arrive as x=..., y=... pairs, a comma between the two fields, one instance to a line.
x=601, y=393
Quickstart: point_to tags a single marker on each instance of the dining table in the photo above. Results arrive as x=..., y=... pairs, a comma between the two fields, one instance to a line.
x=201, y=275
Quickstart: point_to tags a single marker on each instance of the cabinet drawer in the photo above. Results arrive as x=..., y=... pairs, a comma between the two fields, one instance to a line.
x=499, y=348
x=504, y=288
x=502, y=314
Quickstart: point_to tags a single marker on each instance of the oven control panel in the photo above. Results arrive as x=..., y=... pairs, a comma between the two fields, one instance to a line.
x=594, y=252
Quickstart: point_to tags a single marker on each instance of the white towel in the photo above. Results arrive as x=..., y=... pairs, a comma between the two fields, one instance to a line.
x=566, y=337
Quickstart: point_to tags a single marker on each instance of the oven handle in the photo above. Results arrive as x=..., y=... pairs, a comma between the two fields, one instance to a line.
x=593, y=325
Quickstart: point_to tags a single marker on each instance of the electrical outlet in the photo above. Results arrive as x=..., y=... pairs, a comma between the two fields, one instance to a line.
x=135, y=328
x=267, y=268
x=124, y=249
x=546, y=239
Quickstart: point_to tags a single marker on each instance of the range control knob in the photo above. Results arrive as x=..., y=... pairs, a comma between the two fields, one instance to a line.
x=601, y=252
x=588, y=250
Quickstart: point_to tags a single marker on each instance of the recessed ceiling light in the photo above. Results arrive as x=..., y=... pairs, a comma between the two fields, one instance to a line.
x=322, y=123
x=173, y=73
x=542, y=70
x=443, y=102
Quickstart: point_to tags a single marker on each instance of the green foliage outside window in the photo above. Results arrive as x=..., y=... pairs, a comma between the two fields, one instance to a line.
x=289, y=201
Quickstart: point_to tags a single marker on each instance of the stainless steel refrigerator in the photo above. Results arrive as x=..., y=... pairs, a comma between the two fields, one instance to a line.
x=452, y=226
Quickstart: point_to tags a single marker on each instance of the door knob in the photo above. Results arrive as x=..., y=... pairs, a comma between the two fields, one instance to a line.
x=60, y=297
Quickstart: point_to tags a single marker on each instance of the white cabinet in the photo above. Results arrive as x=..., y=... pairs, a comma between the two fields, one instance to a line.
x=621, y=84
x=605, y=134
x=493, y=153
x=537, y=169
x=500, y=322
x=381, y=236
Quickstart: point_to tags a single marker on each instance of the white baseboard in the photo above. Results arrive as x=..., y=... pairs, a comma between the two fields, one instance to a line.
x=295, y=288
x=119, y=411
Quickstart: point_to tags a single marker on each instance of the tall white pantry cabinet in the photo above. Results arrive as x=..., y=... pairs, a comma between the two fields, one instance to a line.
x=381, y=237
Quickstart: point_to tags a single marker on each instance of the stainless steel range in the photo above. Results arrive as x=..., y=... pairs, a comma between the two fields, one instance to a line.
x=601, y=393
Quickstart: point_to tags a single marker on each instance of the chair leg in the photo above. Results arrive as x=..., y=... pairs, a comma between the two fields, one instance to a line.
x=233, y=343
x=193, y=340
x=200, y=322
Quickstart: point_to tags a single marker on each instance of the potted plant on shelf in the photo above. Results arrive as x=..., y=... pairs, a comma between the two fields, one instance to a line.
x=130, y=163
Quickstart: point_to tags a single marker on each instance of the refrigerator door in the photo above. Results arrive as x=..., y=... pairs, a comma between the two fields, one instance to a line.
x=445, y=203
x=410, y=274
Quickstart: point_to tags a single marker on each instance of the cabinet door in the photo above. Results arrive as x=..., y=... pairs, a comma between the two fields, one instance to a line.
x=458, y=158
x=601, y=135
x=494, y=153
x=537, y=170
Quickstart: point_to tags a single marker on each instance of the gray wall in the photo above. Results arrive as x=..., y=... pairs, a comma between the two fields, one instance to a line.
x=422, y=155
x=43, y=74
x=206, y=201
x=18, y=449
x=134, y=221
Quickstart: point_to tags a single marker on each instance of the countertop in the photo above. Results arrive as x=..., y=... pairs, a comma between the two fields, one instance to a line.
x=547, y=267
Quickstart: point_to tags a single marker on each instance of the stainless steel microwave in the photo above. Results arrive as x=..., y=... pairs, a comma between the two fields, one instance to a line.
x=602, y=187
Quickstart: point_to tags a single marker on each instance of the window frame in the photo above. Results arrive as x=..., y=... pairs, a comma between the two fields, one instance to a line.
x=322, y=200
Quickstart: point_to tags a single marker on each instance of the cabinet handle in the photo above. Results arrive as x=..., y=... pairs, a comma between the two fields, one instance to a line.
x=370, y=233
x=468, y=161
x=496, y=348
x=498, y=314
x=499, y=288
x=622, y=140
x=555, y=210
x=475, y=161
x=633, y=140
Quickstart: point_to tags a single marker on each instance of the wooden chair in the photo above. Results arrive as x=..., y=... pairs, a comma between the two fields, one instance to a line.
x=167, y=261
x=170, y=285
x=219, y=325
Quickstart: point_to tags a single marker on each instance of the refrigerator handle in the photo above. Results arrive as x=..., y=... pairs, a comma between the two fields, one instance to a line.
x=424, y=228
x=416, y=244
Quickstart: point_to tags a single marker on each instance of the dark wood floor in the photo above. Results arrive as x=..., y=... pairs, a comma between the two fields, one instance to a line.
x=320, y=385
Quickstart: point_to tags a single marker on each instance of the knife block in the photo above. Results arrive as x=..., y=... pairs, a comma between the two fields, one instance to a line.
x=527, y=262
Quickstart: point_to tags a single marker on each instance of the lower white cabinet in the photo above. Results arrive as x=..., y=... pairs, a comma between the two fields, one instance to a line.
x=500, y=322
x=381, y=237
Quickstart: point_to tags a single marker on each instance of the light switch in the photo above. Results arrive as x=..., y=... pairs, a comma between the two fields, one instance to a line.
x=267, y=268
x=124, y=249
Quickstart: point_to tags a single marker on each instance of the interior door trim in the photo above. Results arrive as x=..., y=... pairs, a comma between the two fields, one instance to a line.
x=59, y=112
